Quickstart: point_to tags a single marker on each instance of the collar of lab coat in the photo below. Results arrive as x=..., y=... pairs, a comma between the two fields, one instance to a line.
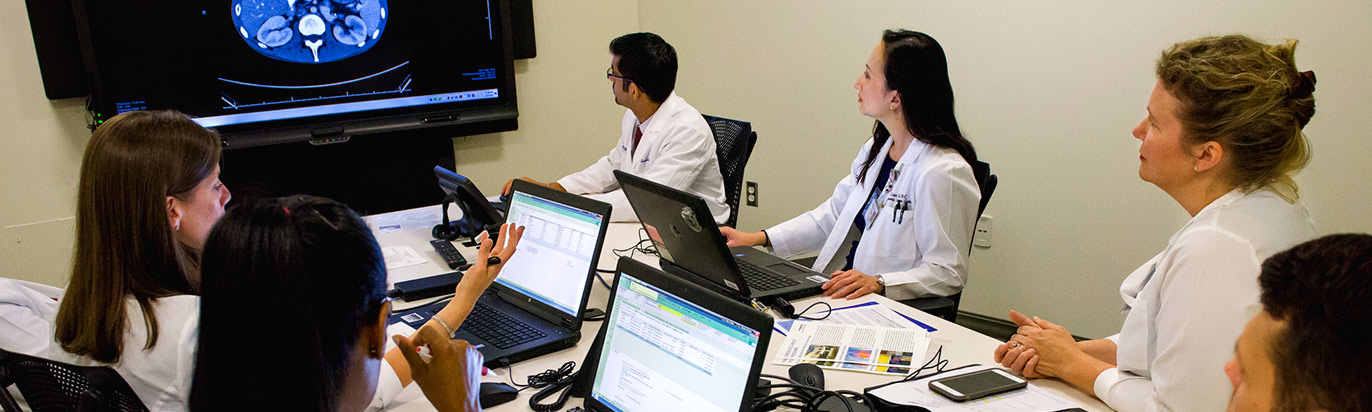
x=912, y=153
x=668, y=108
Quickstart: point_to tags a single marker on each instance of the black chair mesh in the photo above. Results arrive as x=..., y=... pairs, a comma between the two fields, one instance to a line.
x=56, y=386
x=734, y=141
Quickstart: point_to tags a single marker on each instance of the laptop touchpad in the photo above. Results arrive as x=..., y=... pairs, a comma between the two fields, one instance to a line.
x=786, y=270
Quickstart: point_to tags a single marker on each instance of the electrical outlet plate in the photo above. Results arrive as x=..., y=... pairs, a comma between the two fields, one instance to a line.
x=750, y=193
x=982, y=237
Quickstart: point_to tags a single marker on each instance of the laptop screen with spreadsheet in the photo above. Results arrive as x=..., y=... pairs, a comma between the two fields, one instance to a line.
x=553, y=260
x=664, y=352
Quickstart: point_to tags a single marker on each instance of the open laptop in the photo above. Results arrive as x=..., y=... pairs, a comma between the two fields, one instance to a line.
x=670, y=345
x=535, y=305
x=685, y=234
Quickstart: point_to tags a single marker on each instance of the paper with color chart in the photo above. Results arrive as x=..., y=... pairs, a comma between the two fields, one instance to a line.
x=888, y=351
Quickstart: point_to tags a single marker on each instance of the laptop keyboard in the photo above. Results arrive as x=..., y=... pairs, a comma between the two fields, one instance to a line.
x=761, y=280
x=498, y=328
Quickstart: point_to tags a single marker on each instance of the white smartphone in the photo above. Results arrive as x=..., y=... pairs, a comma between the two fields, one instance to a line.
x=979, y=384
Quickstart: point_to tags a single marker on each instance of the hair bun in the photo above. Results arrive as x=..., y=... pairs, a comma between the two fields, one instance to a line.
x=1305, y=85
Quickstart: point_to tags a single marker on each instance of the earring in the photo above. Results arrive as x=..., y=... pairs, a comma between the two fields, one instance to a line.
x=893, y=107
x=1195, y=168
x=176, y=227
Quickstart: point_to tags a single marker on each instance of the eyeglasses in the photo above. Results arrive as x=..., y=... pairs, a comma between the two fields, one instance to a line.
x=610, y=74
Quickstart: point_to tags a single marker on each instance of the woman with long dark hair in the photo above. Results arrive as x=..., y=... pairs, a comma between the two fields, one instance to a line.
x=293, y=314
x=900, y=223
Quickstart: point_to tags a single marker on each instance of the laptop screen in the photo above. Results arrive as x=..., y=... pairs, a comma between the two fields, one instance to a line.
x=554, y=258
x=662, y=352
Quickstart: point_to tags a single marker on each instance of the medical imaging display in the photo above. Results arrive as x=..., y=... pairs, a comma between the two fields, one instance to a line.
x=310, y=31
x=245, y=65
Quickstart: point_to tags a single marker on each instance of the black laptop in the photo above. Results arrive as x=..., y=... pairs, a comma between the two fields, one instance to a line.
x=684, y=232
x=535, y=305
x=670, y=345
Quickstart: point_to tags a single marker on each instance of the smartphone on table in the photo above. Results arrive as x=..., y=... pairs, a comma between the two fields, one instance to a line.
x=979, y=384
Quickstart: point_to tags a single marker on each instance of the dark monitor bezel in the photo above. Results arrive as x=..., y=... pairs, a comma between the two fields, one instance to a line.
x=697, y=295
x=543, y=310
x=454, y=119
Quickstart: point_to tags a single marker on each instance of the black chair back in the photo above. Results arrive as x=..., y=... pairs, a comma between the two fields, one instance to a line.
x=734, y=141
x=55, y=386
x=986, y=181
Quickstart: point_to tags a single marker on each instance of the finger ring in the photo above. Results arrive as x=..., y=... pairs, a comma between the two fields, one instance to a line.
x=1014, y=344
x=493, y=260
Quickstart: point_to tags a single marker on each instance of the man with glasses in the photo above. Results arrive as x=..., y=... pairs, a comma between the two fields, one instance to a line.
x=663, y=138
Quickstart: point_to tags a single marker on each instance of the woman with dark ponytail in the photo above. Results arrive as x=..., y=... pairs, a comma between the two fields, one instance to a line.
x=900, y=223
x=293, y=315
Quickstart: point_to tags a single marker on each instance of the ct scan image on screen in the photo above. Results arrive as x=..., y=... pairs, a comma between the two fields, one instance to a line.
x=230, y=63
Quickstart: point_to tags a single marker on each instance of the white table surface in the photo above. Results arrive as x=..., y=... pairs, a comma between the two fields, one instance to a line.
x=961, y=346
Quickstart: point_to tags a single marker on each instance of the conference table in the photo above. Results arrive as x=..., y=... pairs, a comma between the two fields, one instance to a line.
x=411, y=228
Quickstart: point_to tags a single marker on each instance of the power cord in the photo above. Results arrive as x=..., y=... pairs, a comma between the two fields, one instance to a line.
x=638, y=247
x=936, y=363
x=549, y=382
x=808, y=398
x=784, y=307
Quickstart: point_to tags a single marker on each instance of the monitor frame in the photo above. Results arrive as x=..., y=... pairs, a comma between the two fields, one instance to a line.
x=715, y=302
x=452, y=119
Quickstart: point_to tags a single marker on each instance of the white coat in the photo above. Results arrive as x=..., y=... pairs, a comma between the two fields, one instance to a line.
x=921, y=234
x=677, y=149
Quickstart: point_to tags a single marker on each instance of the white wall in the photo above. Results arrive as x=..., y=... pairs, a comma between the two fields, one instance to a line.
x=1047, y=91
x=567, y=114
x=41, y=142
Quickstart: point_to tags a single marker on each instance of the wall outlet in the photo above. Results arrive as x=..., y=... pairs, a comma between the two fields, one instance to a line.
x=750, y=193
x=982, y=237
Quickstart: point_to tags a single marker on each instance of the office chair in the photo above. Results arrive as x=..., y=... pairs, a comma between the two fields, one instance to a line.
x=946, y=307
x=734, y=141
x=56, y=386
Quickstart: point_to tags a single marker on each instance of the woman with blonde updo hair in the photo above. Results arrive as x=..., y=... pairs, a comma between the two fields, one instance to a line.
x=1222, y=137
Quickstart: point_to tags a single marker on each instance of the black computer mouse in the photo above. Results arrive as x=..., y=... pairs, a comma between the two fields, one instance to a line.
x=495, y=393
x=807, y=374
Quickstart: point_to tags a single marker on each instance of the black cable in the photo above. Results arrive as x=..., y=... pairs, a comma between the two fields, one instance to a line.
x=828, y=311
x=806, y=398
x=937, y=362
x=602, y=278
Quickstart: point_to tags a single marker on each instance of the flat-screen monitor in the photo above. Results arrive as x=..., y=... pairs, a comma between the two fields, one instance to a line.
x=276, y=71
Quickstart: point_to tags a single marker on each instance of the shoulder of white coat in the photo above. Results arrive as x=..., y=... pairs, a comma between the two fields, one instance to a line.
x=174, y=311
x=1264, y=219
x=943, y=162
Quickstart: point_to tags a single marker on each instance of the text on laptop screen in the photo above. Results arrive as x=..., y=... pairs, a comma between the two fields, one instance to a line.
x=556, y=253
x=664, y=353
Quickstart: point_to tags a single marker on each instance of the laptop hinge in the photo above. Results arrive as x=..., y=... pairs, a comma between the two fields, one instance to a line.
x=568, y=323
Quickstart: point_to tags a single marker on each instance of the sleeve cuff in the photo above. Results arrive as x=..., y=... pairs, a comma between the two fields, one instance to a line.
x=571, y=185
x=388, y=387
x=1114, y=338
x=1106, y=380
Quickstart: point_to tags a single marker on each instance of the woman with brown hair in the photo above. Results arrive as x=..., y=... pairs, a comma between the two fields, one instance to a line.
x=1222, y=137
x=149, y=194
